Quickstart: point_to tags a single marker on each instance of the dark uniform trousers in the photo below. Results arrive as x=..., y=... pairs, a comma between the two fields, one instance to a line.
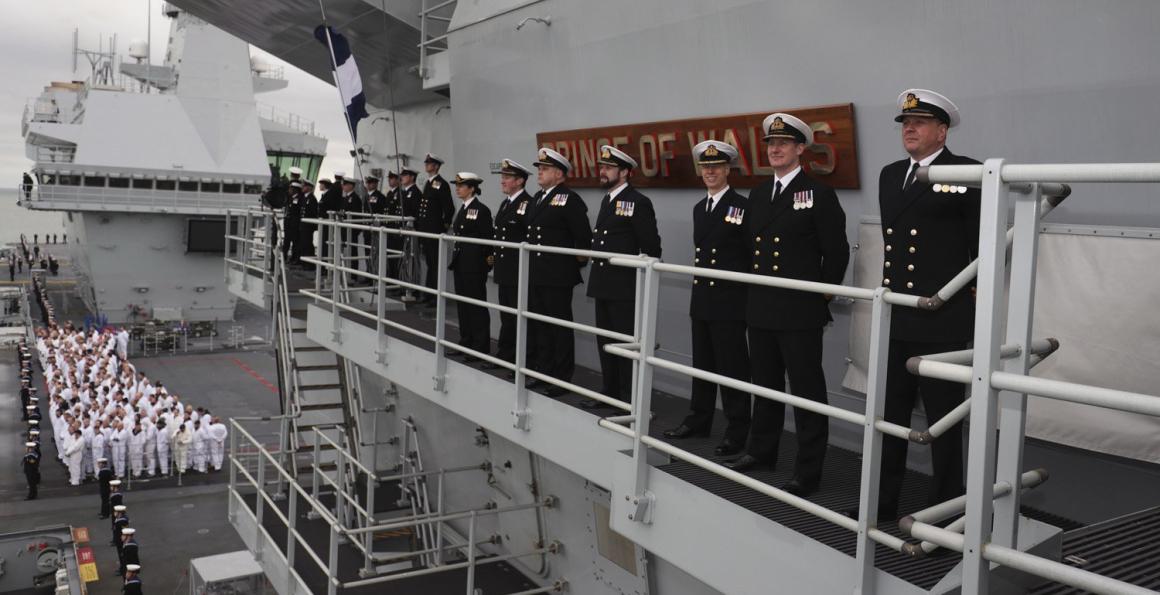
x=797, y=354
x=717, y=314
x=510, y=226
x=626, y=224
x=928, y=238
x=469, y=268
x=435, y=212
x=801, y=234
x=559, y=219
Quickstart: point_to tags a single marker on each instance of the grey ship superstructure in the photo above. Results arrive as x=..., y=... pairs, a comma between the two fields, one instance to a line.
x=144, y=159
x=401, y=469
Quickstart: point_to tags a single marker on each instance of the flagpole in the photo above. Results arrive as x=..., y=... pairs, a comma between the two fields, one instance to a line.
x=334, y=75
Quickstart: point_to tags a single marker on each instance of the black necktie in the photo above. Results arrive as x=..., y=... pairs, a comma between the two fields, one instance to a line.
x=709, y=204
x=910, y=176
x=776, y=190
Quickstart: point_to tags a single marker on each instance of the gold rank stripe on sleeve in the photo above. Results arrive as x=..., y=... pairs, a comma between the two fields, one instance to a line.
x=803, y=200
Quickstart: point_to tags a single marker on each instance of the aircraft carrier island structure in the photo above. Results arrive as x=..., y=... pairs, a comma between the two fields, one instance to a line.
x=144, y=159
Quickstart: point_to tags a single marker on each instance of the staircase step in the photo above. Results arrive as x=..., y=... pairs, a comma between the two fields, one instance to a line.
x=320, y=387
x=310, y=448
x=323, y=466
x=321, y=407
x=325, y=426
x=298, y=330
x=315, y=368
x=298, y=313
x=310, y=348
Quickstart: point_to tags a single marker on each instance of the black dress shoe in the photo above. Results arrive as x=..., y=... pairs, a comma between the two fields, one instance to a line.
x=683, y=431
x=594, y=404
x=800, y=488
x=728, y=448
x=554, y=391
x=749, y=463
x=533, y=383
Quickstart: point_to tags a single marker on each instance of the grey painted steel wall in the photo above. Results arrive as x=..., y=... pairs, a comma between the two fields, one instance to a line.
x=1037, y=81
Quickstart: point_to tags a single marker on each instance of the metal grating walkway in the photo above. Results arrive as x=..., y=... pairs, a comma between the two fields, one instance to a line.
x=1126, y=548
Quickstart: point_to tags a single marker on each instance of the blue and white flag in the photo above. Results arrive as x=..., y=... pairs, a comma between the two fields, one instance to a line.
x=346, y=75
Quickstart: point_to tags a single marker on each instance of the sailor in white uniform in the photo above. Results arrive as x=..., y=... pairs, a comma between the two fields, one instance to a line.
x=74, y=454
x=137, y=440
x=217, y=443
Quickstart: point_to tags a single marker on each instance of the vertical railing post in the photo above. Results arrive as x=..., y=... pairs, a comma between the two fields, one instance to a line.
x=470, y=555
x=520, y=413
x=439, y=526
x=381, y=305
x=368, y=537
x=233, y=514
x=316, y=471
x=988, y=324
x=291, y=530
x=1013, y=406
x=335, y=276
x=872, y=440
x=332, y=562
x=423, y=40
x=259, y=506
x=244, y=233
x=642, y=397
x=225, y=261
x=441, y=317
x=340, y=490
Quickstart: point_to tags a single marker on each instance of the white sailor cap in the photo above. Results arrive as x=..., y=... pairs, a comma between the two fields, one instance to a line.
x=610, y=155
x=783, y=125
x=407, y=171
x=102, y=460
x=927, y=104
x=34, y=422
x=296, y=171
x=551, y=158
x=714, y=152
x=119, y=507
x=305, y=182
x=466, y=177
x=128, y=531
x=513, y=168
x=115, y=482
x=340, y=174
x=295, y=184
x=350, y=181
x=33, y=432
x=30, y=444
x=133, y=567
x=30, y=406
x=433, y=158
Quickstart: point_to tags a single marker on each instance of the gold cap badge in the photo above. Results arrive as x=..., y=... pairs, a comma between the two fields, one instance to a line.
x=911, y=101
x=778, y=124
x=606, y=154
x=711, y=151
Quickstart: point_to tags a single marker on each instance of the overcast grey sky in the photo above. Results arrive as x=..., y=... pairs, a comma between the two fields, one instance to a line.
x=37, y=46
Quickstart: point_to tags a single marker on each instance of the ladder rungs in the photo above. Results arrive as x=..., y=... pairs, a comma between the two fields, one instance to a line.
x=321, y=407
x=315, y=368
x=320, y=387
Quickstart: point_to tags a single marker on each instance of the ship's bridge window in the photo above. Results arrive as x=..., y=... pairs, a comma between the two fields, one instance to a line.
x=95, y=181
x=166, y=185
x=143, y=184
x=187, y=186
x=118, y=182
x=231, y=188
x=211, y=187
x=253, y=188
x=69, y=180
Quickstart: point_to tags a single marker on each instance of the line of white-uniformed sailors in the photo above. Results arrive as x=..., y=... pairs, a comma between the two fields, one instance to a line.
x=100, y=406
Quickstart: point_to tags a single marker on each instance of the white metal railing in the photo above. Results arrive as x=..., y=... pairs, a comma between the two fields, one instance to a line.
x=286, y=118
x=429, y=14
x=998, y=363
x=82, y=198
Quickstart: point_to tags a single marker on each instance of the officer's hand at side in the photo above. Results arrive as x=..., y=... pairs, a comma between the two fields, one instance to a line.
x=491, y=261
x=828, y=297
x=582, y=259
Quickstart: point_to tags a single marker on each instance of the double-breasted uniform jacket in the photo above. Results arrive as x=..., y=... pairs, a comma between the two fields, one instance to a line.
x=331, y=201
x=352, y=203
x=435, y=208
x=807, y=242
x=293, y=214
x=510, y=226
x=376, y=202
x=559, y=218
x=625, y=224
x=306, y=230
x=721, y=242
x=472, y=221
x=928, y=238
x=409, y=199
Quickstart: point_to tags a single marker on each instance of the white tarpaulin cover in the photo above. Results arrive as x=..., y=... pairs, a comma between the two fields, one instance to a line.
x=1097, y=295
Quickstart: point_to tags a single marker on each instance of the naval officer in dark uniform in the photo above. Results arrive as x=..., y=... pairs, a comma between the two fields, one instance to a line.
x=626, y=223
x=31, y=465
x=556, y=216
x=291, y=250
x=928, y=237
x=717, y=307
x=433, y=216
x=375, y=204
x=469, y=263
x=798, y=231
x=306, y=230
x=351, y=204
x=409, y=198
x=510, y=226
x=393, y=205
